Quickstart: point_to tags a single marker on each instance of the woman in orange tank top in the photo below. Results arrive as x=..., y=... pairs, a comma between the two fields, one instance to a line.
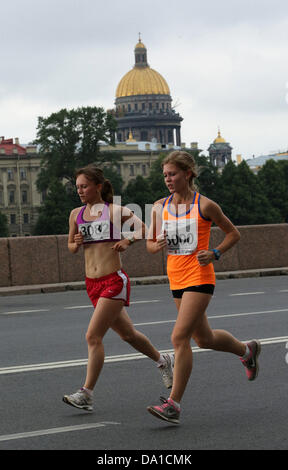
x=181, y=224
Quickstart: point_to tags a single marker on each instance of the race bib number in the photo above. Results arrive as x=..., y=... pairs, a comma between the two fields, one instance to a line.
x=95, y=231
x=182, y=236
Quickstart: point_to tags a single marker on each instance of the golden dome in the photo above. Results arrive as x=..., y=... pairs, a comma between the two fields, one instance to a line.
x=142, y=81
x=219, y=139
x=140, y=45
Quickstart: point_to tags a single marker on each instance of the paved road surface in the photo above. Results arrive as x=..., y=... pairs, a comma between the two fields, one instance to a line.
x=43, y=355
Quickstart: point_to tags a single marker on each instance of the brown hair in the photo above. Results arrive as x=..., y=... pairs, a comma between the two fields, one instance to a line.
x=93, y=173
x=185, y=161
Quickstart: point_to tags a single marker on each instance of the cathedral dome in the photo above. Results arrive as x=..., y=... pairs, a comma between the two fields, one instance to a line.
x=143, y=104
x=219, y=139
x=142, y=80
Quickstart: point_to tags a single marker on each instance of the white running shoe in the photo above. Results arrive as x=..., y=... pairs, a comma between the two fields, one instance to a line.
x=80, y=399
x=166, y=370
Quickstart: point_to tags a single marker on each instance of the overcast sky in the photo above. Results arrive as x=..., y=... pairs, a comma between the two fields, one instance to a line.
x=225, y=62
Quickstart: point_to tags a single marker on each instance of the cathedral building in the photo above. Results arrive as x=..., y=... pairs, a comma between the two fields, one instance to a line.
x=143, y=105
x=220, y=152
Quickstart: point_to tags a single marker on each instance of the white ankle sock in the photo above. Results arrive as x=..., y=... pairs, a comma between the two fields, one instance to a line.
x=247, y=352
x=161, y=361
x=88, y=391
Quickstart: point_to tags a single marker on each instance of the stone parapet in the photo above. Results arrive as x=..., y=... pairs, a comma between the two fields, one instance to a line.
x=46, y=259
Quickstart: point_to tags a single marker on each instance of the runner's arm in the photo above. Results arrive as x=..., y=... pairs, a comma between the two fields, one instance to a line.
x=213, y=211
x=156, y=240
x=75, y=239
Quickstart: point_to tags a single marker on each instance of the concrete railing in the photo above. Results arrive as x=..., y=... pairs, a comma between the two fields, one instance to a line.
x=46, y=259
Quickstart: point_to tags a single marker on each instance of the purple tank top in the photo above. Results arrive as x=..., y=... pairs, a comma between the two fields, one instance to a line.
x=100, y=230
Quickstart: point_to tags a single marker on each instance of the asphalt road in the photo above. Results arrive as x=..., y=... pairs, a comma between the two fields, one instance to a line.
x=43, y=355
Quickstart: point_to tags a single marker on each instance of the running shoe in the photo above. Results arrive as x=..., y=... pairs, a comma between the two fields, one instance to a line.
x=251, y=364
x=166, y=370
x=80, y=399
x=168, y=411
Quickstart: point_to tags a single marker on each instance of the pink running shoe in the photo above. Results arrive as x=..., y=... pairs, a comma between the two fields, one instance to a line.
x=251, y=364
x=168, y=411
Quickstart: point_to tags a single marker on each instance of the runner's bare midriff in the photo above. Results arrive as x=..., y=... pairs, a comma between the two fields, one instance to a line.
x=99, y=262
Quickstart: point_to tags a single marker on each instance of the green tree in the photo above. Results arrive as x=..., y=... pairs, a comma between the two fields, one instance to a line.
x=241, y=197
x=155, y=180
x=138, y=192
x=70, y=139
x=67, y=140
x=273, y=178
x=4, y=231
x=54, y=214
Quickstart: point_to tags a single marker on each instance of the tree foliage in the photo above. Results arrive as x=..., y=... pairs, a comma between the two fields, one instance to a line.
x=70, y=139
x=67, y=140
x=4, y=231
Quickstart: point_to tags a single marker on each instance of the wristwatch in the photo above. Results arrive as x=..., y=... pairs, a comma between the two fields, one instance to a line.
x=217, y=253
x=131, y=239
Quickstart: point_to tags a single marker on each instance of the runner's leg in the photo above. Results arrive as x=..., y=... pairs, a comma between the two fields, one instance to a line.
x=124, y=327
x=105, y=314
x=191, y=308
x=219, y=340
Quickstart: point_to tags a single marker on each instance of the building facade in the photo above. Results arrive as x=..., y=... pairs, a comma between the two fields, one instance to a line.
x=143, y=105
x=19, y=197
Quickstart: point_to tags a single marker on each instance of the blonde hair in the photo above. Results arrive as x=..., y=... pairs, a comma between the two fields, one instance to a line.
x=185, y=161
x=95, y=174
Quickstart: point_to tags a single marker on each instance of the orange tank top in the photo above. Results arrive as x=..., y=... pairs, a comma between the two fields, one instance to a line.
x=187, y=233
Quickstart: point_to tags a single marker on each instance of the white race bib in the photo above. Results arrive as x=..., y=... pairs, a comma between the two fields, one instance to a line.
x=95, y=230
x=181, y=236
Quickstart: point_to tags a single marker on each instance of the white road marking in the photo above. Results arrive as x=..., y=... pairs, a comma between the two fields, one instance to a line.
x=133, y=302
x=45, y=432
x=25, y=311
x=228, y=315
x=74, y=307
x=246, y=293
x=110, y=359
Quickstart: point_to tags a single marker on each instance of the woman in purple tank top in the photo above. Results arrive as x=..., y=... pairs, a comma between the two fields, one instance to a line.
x=96, y=227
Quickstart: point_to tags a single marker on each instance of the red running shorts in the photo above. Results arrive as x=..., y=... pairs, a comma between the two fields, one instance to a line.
x=113, y=286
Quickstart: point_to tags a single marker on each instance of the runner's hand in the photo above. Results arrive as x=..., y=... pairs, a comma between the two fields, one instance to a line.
x=122, y=245
x=205, y=257
x=78, y=239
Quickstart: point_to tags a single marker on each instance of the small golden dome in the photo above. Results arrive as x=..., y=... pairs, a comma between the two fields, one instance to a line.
x=142, y=81
x=219, y=139
x=140, y=45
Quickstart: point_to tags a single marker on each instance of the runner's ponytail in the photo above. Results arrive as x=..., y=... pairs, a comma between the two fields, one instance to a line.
x=107, y=191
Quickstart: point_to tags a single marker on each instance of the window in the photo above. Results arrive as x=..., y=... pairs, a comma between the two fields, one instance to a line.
x=136, y=106
x=23, y=174
x=12, y=218
x=144, y=170
x=131, y=170
x=10, y=174
x=24, y=197
x=143, y=106
x=11, y=196
x=26, y=218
